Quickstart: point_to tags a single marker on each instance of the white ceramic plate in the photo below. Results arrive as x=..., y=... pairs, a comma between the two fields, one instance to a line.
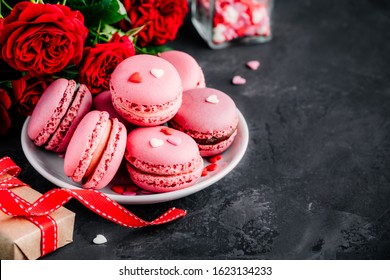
x=50, y=166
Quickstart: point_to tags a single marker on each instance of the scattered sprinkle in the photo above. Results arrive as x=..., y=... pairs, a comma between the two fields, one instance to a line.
x=238, y=80
x=135, y=78
x=174, y=140
x=204, y=172
x=167, y=130
x=310, y=205
x=211, y=167
x=125, y=190
x=215, y=158
x=212, y=99
x=118, y=189
x=158, y=73
x=155, y=142
x=129, y=193
x=100, y=239
x=253, y=64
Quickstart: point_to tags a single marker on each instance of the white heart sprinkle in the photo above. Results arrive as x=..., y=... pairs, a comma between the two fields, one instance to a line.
x=158, y=73
x=212, y=99
x=253, y=64
x=238, y=80
x=155, y=142
x=174, y=140
x=99, y=239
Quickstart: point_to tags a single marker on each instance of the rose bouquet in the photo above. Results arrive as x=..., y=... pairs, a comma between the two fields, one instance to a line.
x=82, y=40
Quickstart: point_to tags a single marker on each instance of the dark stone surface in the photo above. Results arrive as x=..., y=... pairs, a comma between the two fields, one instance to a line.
x=314, y=182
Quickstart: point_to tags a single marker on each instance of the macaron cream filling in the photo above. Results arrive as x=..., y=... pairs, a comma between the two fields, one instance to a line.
x=98, y=152
x=204, y=138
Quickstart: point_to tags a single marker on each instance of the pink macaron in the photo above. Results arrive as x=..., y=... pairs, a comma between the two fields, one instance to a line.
x=96, y=150
x=162, y=159
x=210, y=117
x=146, y=90
x=103, y=102
x=57, y=114
x=189, y=70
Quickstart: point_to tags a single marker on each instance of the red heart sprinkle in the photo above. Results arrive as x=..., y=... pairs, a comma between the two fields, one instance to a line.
x=135, y=78
x=215, y=158
x=204, y=172
x=211, y=167
x=167, y=130
x=131, y=188
x=118, y=189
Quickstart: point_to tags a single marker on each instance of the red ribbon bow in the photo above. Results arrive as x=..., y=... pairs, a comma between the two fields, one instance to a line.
x=38, y=212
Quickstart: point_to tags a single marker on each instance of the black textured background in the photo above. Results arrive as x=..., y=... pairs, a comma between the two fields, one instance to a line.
x=315, y=181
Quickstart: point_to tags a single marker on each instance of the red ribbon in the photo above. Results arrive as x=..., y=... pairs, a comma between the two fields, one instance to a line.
x=38, y=212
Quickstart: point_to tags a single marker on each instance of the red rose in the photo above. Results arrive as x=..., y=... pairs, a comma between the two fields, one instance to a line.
x=42, y=39
x=27, y=91
x=162, y=19
x=100, y=61
x=5, y=103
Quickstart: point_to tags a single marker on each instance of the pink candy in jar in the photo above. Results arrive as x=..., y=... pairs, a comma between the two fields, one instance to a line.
x=222, y=22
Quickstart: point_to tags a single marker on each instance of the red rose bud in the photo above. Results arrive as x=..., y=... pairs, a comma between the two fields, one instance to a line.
x=27, y=91
x=42, y=39
x=100, y=61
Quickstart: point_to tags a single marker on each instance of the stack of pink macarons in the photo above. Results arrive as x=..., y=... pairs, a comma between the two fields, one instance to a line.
x=158, y=118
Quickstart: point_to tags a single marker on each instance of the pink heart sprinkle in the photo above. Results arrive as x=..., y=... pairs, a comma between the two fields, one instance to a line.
x=174, y=140
x=238, y=80
x=129, y=193
x=253, y=64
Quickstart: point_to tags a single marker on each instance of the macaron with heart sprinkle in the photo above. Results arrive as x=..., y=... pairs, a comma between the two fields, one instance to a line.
x=146, y=90
x=162, y=159
x=210, y=117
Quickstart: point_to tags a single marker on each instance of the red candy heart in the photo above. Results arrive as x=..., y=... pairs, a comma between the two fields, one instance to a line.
x=118, y=189
x=167, y=130
x=135, y=78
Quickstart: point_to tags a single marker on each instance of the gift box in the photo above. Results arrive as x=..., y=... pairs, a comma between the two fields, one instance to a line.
x=25, y=238
x=33, y=225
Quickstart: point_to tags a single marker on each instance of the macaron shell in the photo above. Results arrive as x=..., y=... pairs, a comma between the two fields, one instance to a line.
x=149, y=115
x=78, y=109
x=152, y=90
x=139, y=147
x=212, y=150
x=160, y=183
x=111, y=158
x=189, y=70
x=205, y=119
x=49, y=110
x=84, y=142
x=160, y=161
x=103, y=102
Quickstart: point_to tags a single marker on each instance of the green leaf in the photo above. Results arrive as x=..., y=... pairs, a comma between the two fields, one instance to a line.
x=153, y=50
x=71, y=72
x=115, y=12
x=106, y=11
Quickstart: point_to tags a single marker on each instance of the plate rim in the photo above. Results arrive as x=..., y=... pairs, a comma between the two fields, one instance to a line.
x=150, y=198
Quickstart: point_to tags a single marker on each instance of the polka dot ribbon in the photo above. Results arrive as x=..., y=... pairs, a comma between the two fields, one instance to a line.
x=38, y=212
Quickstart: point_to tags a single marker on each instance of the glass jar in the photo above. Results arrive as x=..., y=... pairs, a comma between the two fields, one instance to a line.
x=225, y=22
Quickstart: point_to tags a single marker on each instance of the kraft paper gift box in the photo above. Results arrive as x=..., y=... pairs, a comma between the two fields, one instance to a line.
x=21, y=239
